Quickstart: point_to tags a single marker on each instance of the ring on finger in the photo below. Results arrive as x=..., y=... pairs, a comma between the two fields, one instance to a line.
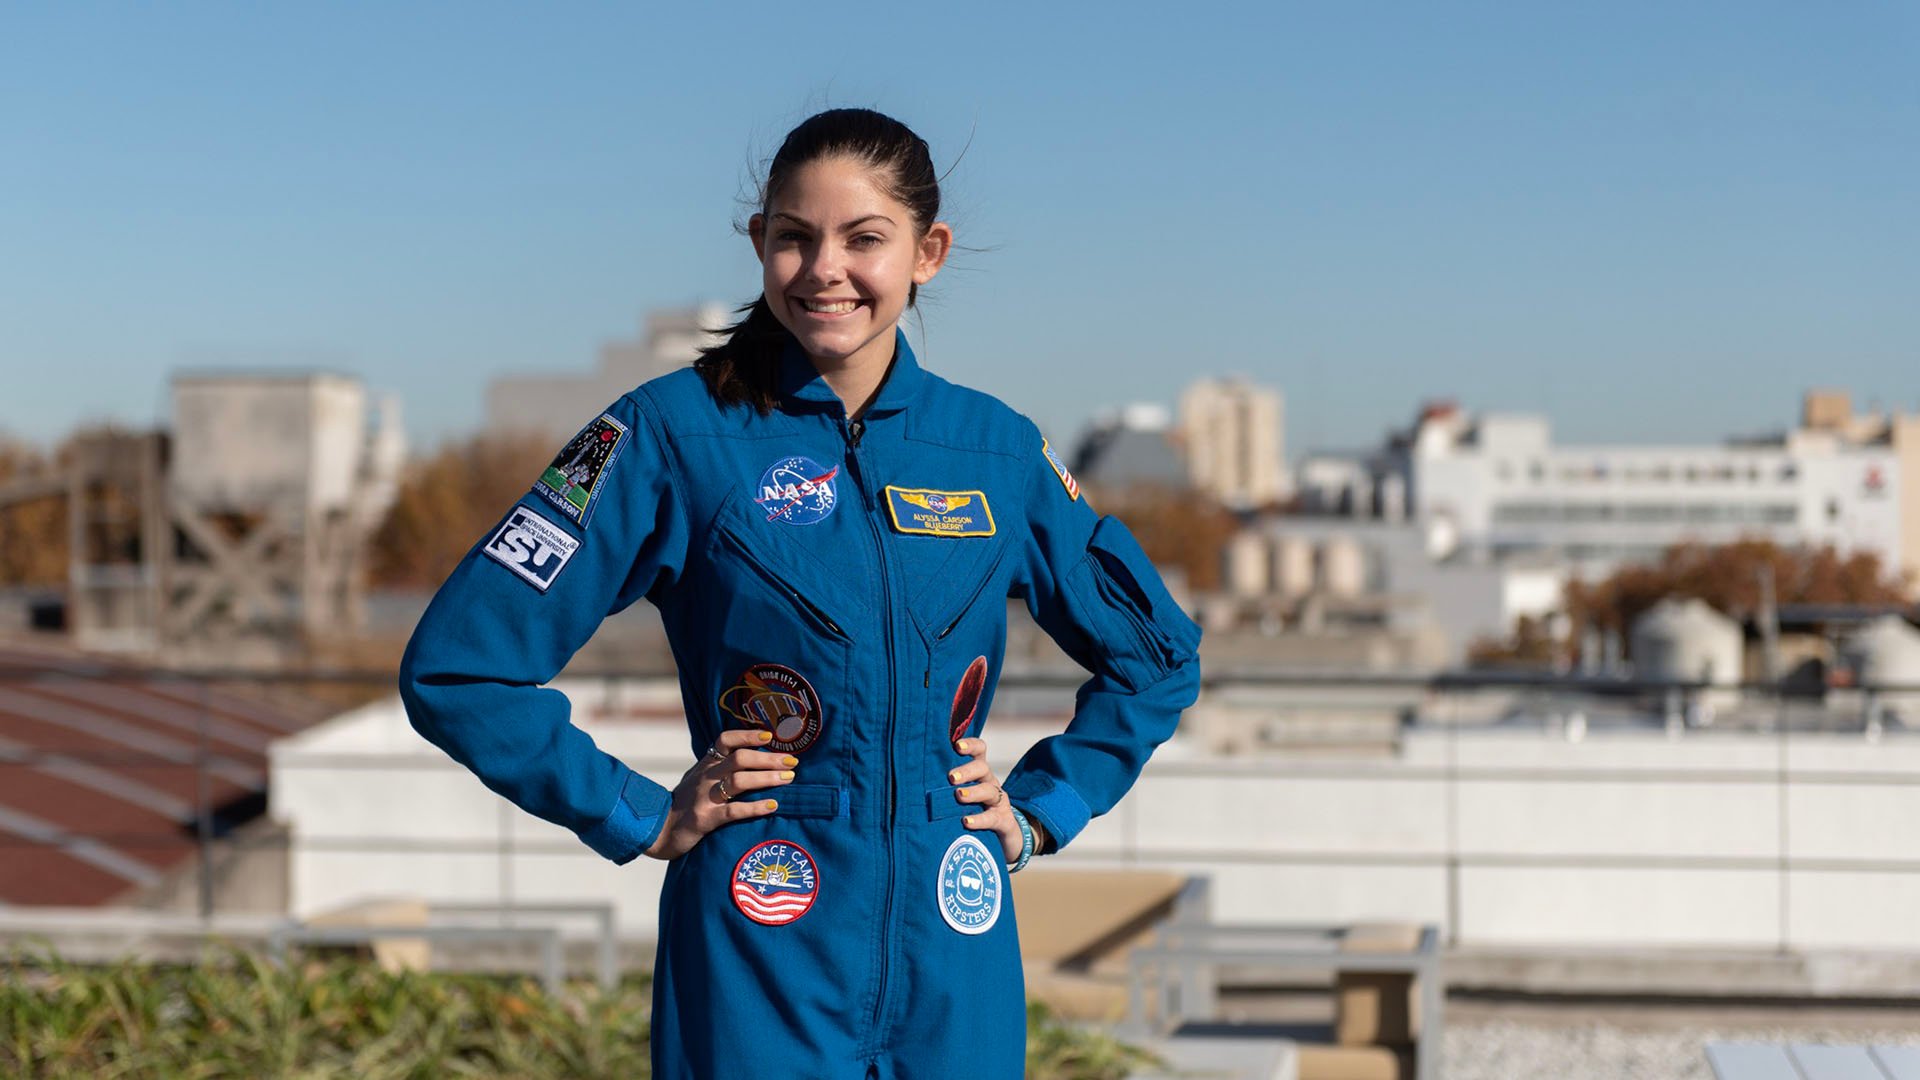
x=722, y=785
x=715, y=754
x=999, y=796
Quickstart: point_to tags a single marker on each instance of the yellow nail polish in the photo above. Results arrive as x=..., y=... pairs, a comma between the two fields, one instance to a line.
x=953, y=778
x=786, y=776
x=789, y=761
x=772, y=806
x=962, y=744
x=766, y=736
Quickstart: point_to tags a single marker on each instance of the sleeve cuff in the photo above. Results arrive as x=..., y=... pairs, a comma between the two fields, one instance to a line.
x=1058, y=808
x=635, y=822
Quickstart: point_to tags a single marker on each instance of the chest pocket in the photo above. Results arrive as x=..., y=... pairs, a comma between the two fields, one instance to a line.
x=780, y=645
x=949, y=578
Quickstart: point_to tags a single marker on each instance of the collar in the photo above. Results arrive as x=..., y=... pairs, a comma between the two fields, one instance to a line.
x=799, y=381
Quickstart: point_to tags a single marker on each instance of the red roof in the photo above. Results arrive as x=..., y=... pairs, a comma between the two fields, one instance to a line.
x=99, y=789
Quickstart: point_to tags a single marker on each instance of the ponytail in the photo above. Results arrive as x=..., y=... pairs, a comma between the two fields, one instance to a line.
x=744, y=367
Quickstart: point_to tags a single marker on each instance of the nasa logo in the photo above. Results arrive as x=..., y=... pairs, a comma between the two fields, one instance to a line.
x=777, y=699
x=969, y=886
x=775, y=883
x=797, y=491
x=531, y=546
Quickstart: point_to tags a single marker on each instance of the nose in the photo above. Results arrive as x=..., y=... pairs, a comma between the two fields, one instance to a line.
x=827, y=265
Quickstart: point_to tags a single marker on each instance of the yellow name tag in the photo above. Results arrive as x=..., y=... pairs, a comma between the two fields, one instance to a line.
x=939, y=513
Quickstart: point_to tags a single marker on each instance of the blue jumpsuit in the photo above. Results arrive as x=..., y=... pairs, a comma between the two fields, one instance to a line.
x=841, y=584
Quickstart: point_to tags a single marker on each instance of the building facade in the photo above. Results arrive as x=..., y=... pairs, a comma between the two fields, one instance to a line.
x=1233, y=433
x=556, y=405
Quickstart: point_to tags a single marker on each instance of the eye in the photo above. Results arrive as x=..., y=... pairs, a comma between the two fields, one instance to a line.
x=867, y=240
x=790, y=236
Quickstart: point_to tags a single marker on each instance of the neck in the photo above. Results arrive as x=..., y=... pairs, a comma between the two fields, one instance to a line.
x=856, y=379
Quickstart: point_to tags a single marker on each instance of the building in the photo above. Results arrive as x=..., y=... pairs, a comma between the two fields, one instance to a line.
x=1490, y=486
x=1130, y=447
x=556, y=405
x=1233, y=432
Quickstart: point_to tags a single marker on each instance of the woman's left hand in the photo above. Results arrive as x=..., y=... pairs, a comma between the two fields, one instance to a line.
x=982, y=789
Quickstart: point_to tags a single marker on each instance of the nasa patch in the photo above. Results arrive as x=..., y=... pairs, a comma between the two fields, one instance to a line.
x=572, y=482
x=776, y=698
x=969, y=887
x=797, y=491
x=775, y=882
x=531, y=546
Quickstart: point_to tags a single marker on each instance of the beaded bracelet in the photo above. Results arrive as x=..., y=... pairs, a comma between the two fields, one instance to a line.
x=1026, y=841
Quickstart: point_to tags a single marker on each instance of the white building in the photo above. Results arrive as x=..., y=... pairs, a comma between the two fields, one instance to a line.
x=1497, y=486
x=557, y=404
x=1233, y=435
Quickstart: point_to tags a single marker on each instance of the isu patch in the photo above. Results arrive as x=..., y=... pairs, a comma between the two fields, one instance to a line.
x=777, y=699
x=531, y=546
x=939, y=513
x=572, y=482
x=1060, y=469
x=969, y=887
x=775, y=882
x=796, y=490
x=966, y=700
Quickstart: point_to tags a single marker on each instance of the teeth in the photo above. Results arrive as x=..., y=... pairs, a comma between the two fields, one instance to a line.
x=838, y=307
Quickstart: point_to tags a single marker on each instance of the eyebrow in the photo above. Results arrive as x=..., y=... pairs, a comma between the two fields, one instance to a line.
x=854, y=224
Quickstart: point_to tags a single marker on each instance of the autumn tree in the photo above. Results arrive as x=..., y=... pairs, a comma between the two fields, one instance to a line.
x=33, y=532
x=1176, y=528
x=448, y=500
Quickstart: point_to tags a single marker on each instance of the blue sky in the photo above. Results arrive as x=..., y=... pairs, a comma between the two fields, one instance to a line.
x=1653, y=222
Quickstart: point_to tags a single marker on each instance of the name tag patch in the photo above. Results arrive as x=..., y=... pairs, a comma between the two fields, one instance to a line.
x=939, y=513
x=531, y=546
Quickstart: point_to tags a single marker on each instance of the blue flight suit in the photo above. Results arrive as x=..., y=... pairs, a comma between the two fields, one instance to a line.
x=837, y=582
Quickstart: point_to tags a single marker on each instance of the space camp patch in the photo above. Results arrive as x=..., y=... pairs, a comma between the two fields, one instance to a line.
x=775, y=882
x=532, y=547
x=939, y=513
x=776, y=698
x=1060, y=468
x=573, y=481
x=969, y=887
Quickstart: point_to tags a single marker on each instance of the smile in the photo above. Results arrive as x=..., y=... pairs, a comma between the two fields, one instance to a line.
x=828, y=307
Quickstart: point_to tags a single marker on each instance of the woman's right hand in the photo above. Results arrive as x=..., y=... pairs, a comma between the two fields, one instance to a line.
x=708, y=796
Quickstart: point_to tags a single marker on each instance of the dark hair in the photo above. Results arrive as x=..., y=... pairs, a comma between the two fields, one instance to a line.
x=743, y=368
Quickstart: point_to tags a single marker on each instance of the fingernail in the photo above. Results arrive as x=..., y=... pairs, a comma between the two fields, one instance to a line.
x=964, y=748
x=772, y=806
x=953, y=778
x=766, y=736
x=786, y=776
x=789, y=761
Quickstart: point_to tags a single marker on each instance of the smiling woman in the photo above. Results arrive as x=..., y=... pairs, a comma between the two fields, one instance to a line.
x=818, y=520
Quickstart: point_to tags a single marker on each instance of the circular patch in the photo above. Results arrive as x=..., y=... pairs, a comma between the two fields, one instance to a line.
x=774, y=883
x=969, y=886
x=775, y=698
x=966, y=699
x=796, y=490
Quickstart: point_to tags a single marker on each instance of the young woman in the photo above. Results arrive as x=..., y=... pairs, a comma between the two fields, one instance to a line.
x=829, y=532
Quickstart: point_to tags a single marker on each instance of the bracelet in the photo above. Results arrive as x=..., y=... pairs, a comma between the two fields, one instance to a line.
x=1026, y=841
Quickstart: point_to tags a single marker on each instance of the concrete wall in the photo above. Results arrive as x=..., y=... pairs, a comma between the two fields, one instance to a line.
x=1508, y=837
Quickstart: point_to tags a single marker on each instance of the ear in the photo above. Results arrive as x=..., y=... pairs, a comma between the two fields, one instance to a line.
x=934, y=247
x=757, y=232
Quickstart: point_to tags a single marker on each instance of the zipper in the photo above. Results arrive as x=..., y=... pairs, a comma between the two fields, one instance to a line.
x=853, y=432
x=993, y=568
x=821, y=620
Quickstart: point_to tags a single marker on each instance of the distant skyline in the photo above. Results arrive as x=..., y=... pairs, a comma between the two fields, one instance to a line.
x=1649, y=222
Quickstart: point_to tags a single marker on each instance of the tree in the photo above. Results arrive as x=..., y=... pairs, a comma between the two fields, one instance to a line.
x=1176, y=528
x=33, y=533
x=447, y=501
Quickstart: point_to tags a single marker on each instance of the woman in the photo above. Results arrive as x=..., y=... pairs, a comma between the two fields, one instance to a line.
x=828, y=532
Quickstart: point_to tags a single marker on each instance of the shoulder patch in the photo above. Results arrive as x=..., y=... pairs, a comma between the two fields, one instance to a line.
x=531, y=546
x=572, y=483
x=940, y=513
x=1060, y=469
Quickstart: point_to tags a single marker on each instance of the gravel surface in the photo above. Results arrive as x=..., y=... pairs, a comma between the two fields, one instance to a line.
x=1498, y=1049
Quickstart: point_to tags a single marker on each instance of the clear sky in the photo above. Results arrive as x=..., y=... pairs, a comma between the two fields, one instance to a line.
x=1651, y=221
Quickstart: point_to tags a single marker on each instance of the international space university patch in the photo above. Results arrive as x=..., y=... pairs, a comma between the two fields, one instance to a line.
x=939, y=513
x=572, y=482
